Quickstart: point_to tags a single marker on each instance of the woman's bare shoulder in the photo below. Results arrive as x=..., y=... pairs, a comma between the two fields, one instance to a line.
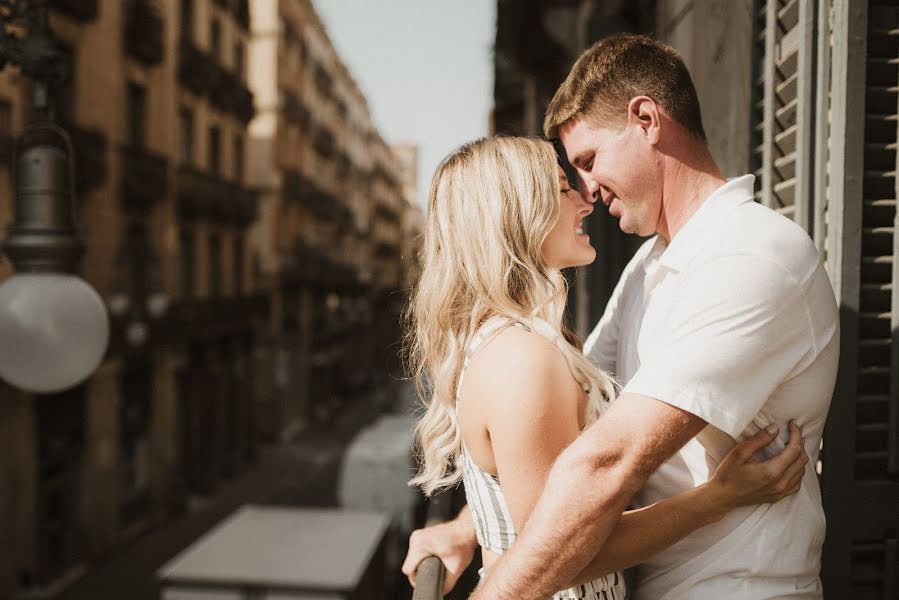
x=517, y=366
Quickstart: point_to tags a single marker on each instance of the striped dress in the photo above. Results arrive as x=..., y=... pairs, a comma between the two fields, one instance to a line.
x=489, y=511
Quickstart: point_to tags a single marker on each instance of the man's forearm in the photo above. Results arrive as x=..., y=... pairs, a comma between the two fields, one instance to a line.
x=579, y=507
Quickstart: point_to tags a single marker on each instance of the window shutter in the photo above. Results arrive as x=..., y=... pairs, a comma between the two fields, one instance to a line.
x=860, y=475
x=783, y=107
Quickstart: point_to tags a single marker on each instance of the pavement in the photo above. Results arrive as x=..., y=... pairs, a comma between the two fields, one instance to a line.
x=301, y=473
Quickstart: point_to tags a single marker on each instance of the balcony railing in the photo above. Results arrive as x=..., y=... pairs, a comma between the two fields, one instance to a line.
x=299, y=189
x=90, y=157
x=294, y=111
x=144, y=178
x=323, y=141
x=143, y=32
x=430, y=573
x=201, y=195
x=242, y=12
x=196, y=70
x=214, y=317
x=203, y=75
x=80, y=10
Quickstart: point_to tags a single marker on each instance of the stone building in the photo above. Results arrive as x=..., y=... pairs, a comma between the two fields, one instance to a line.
x=331, y=208
x=802, y=93
x=226, y=282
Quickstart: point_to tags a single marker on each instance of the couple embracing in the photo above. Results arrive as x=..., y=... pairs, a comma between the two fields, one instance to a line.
x=699, y=397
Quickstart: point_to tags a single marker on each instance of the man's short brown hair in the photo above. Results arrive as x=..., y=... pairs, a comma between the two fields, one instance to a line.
x=616, y=69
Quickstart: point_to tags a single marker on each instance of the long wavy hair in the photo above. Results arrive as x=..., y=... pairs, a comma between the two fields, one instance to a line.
x=491, y=205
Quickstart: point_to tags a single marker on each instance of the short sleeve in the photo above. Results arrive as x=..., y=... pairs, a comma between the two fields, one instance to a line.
x=737, y=331
x=601, y=346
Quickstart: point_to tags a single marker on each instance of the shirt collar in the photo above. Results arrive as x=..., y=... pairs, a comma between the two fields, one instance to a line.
x=689, y=240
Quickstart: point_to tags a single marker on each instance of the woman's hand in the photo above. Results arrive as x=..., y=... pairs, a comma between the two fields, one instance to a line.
x=741, y=480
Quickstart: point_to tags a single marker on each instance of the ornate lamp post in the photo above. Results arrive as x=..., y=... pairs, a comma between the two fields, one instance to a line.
x=53, y=325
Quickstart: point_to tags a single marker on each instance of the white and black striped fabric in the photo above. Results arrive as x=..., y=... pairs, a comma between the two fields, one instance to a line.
x=489, y=511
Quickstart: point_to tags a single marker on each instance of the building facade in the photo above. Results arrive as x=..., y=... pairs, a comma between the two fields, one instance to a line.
x=235, y=269
x=332, y=208
x=802, y=93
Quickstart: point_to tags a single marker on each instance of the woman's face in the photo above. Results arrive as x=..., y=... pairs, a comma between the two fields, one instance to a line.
x=567, y=244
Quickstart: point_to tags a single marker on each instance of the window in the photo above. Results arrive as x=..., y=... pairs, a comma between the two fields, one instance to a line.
x=187, y=19
x=137, y=115
x=238, y=261
x=215, y=141
x=5, y=118
x=215, y=40
x=59, y=420
x=188, y=263
x=238, y=158
x=215, y=265
x=64, y=90
x=239, y=59
x=185, y=135
x=136, y=392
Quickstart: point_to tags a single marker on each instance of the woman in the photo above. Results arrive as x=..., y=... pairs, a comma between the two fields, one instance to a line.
x=504, y=386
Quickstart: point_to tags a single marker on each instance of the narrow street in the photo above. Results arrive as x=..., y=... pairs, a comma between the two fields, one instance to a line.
x=303, y=473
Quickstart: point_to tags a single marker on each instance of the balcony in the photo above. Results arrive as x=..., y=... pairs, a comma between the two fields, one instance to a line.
x=198, y=319
x=297, y=188
x=196, y=70
x=293, y=109
x=323, y=141
x=243, y=107
x=323, y=80
x=384, y=210
x=79, y=10
x=144, y=178
x=143, y=33
x=205, y=196
x=90, y=157
x=242, y=13
x=6, y=145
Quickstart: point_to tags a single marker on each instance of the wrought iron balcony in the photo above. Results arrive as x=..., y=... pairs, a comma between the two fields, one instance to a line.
x=323, y=80
x=6, y=144
x=144, y=178
x=214, y=317
x=323, y=141
x=297, y=188
x=243, y=106
x=384, y=249
x=80, y=10
x=388, y=212
x=242, y=12
x=143, y=32
x=196, y=69
x=205, y=196
x=293, y=109
x=90, y=153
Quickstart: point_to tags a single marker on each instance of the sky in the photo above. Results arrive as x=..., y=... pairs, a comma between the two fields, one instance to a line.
x=425, y=66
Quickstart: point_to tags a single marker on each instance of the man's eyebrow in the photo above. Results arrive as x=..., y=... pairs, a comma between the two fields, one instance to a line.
x=581, y=158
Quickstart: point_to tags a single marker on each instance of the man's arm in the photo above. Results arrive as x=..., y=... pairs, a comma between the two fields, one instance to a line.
x=588, y=488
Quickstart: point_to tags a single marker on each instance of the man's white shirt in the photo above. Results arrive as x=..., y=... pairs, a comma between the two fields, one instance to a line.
x=735, y=321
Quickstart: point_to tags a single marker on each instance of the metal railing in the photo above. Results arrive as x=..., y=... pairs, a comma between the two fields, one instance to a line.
x=431, y=572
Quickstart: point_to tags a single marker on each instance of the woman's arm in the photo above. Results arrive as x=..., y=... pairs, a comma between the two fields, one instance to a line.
x=519, y=389
x=738, y=481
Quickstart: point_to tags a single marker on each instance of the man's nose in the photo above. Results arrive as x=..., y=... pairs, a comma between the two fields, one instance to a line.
x=589, y=189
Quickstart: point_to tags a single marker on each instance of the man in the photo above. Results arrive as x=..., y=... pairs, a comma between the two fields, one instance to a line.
x=723, y=323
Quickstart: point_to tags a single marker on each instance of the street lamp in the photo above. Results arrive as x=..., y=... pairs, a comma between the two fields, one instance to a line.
x=53, y=326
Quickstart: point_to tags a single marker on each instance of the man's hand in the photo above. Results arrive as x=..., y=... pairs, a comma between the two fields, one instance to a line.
x=453, y=542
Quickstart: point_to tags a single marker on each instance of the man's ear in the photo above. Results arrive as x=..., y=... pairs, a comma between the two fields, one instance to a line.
x=643, y=112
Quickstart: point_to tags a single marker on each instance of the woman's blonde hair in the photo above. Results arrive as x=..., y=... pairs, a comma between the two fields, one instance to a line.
x=492, y=204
